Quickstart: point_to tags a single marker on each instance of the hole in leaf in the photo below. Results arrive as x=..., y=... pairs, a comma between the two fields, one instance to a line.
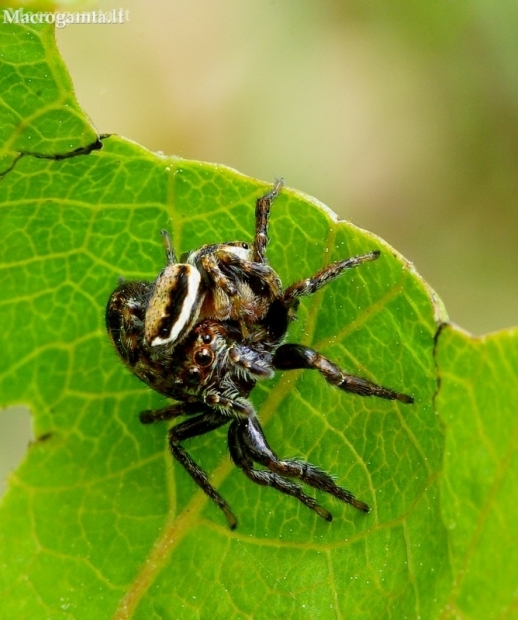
x=15, y=435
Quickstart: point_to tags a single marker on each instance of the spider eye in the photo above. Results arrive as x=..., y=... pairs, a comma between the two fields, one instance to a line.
x=206, y=338
x=244, y=246
x=193, y=375
x=204, y=357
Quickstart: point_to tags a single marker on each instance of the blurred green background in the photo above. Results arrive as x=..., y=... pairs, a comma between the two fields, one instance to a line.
x=401, y=116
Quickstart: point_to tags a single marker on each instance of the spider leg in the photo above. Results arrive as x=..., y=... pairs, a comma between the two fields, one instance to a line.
x=262, y=214
x=251, y=268
x=204, y=423
x=169, y=250
x=241, y=455
x=310, y=285
x=250, y=361
x=210, y=265
x=167, y=413
x=214, y=263
x=260, y=451
x=295, y=356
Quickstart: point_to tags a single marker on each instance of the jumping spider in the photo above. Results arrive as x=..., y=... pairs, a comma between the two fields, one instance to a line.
x=205, y=331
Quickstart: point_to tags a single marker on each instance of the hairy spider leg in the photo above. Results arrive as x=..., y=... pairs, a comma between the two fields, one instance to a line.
x=259, y=450
x=169, y=250
x=308, y=286
x=250, y=362
x=168, y=413
x=241, y=455
x=213, y=271
x=262, y=214
x=211, y=262
x=297, y=356
x=204, y=423
x=236, y=408
x=258, y=270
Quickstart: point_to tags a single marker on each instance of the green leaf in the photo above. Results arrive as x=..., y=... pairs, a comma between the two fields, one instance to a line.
x=99, y=523
x=38, y=110
x=477, y=401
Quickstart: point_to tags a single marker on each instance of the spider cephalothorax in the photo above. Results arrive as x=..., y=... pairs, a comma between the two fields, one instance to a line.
x=205, y=331
x=223, y=281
